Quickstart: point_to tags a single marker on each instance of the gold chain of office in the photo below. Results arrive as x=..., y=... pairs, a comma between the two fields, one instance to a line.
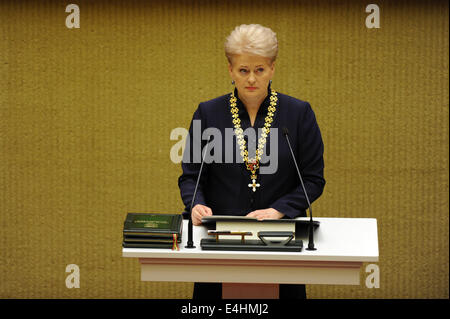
x=252, y=164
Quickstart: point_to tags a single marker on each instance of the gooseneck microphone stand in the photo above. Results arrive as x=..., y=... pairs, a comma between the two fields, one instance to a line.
x=311, y=224
x=190, y=241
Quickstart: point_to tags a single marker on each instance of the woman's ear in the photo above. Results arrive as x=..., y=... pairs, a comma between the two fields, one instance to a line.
x=272, y=69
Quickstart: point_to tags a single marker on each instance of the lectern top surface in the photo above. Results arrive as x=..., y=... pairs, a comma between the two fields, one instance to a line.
x=337, y=239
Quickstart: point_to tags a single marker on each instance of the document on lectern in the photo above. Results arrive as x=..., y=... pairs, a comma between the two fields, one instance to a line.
x=249, y=224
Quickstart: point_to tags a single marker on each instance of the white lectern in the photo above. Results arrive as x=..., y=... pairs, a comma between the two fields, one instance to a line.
x=343, y=244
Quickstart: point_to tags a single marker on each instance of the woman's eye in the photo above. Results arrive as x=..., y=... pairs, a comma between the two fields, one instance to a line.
x=243, y=70
x=260, y=70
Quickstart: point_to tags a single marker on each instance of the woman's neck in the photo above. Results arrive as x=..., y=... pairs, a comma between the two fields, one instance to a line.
x=252, y=106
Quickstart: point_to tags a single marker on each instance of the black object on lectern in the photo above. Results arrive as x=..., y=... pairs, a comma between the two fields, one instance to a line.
x=291, y=239
x=264, y=243
x=301, y=226
x=249, y=245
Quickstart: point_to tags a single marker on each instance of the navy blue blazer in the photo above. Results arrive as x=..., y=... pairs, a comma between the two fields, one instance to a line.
x=224, y=185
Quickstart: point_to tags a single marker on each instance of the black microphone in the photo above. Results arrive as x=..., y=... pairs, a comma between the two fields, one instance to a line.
x=190, y=242
x=311, y=225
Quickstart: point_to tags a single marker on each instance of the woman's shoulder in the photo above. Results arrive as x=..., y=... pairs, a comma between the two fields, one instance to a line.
x=218, y=101
x=214, y=105
x=292, y=107
x=293, y=102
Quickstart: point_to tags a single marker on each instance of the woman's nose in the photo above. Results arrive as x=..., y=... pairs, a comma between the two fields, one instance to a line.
x=251, y=78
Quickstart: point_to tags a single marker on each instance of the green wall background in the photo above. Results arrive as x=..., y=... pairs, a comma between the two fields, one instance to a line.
x=86, y=116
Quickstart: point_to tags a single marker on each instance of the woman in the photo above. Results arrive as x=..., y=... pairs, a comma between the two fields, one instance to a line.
x=248, y=185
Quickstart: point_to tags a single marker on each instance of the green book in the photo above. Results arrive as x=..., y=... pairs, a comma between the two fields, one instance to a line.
x=150, y=225
x=141, y=239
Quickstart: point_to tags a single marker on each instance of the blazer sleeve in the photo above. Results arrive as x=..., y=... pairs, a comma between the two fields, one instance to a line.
x=191, y=163
x=309, y=157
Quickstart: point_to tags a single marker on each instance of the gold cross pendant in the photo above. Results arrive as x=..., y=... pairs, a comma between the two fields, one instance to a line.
x=254, y=185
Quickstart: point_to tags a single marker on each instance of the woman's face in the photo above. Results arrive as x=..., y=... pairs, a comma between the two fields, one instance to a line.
x=251, y=74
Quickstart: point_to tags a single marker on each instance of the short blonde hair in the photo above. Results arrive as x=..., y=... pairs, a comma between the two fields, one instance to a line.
x=252, y=39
